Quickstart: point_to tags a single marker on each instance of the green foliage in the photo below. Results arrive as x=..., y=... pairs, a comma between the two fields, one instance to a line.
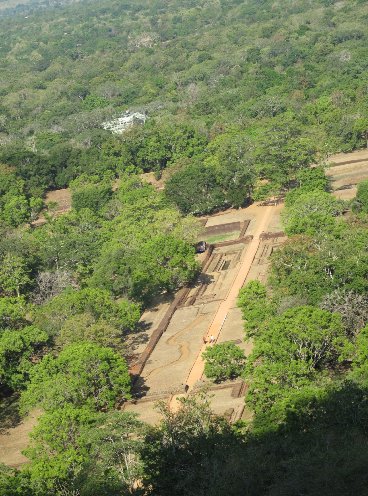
x=227, y=129
x=12, y=313
x=155, y=146
x=283, y=151
x=296, y=86
x=16, y=205
x=360, y=357
x=74, y=449
x=14, y=482
x=9, y=181
x=85, y=327
x=360, y=203
x=223, y=361
x=114, y=465
x=272, y=384
x=305, y=333
x=54, y=315
x=16, y=210
x=312, y=212
x=14, y=275
x=57, y=451
x=83, y=374
x=90, y=193
x=255, y=306
x=195, y=189
x=144, y=252
x=291, y=352
x=17, y=349
x=69, y=242
x=162, y=263
x=308, y=180
x=183, y=453
x=91, y=102
x=312, y=267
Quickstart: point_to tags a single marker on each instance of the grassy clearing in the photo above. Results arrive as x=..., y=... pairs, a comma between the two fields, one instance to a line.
x=217, y=238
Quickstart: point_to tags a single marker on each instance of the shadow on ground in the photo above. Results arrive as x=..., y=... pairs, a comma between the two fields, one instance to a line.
x=139, y=388
x=9, y=412
x=319, y=448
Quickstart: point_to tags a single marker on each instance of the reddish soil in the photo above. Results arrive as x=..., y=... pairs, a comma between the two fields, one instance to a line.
x=63, y=200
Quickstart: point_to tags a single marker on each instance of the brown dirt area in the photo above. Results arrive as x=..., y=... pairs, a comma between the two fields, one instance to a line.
x=63, y=199
x=158, y=184
x=15, y=439
x=346, y=171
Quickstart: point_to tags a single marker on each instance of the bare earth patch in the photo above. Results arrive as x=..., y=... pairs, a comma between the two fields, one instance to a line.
x=346, y=171
x=15, y=439
x=62, y=198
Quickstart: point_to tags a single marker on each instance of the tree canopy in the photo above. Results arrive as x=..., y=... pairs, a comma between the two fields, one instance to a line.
x=82, y=374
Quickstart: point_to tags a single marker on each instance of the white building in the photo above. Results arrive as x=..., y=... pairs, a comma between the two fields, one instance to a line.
x=119, y=125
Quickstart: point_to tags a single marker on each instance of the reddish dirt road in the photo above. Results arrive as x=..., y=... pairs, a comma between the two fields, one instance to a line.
x=217, y=323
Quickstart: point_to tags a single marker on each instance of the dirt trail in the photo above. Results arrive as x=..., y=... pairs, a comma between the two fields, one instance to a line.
x=214, y=330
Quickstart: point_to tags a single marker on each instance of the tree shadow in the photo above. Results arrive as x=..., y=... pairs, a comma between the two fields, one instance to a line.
x=139, y=336
x=203, y=280
x=139, y=388
x=319, y=448
x=9, y=411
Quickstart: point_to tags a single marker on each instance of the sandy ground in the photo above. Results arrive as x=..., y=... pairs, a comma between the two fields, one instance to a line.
x=63, y=200
x=343, y=158
x=14, y=440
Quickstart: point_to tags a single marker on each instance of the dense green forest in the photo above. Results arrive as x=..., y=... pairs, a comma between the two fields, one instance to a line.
x=249, y=89
x=241, y=97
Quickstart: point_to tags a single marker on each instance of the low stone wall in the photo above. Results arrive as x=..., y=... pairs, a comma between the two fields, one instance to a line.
x=271, y=235
x=244, y=228
x=244, y=240
x=223, y=228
